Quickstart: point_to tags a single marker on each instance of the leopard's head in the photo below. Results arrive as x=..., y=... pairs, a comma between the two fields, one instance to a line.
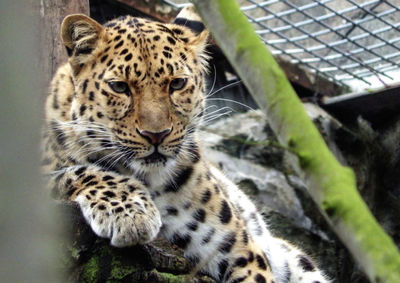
x=139, y=86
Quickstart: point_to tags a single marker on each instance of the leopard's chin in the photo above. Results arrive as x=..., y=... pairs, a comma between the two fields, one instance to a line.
x=155, y=157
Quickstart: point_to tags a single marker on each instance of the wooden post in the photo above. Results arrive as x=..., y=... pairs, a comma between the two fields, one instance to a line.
x=51, y=15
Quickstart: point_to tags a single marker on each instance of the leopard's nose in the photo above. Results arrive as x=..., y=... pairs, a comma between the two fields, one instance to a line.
x=153, y=137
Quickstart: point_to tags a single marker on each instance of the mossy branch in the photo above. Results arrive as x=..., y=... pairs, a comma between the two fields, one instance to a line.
x=332, y=186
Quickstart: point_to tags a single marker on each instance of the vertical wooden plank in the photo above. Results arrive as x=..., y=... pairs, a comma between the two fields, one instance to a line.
x=52, y=12
x=28, y=236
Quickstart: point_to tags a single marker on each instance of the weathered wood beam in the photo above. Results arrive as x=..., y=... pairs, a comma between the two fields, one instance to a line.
x=52, y=52
x=379, y=107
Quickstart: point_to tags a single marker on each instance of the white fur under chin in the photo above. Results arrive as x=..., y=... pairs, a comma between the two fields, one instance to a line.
x=158, y=174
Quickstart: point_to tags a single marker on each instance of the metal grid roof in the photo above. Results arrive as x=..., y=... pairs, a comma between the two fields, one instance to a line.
x=346, y=41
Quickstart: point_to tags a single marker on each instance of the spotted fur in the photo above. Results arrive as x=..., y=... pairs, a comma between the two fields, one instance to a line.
x=120, y=140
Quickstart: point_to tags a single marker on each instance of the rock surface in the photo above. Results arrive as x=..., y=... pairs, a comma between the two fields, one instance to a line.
x=247, y=151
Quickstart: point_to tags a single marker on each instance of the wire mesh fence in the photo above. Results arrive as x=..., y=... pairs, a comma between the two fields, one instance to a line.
x=343, y=40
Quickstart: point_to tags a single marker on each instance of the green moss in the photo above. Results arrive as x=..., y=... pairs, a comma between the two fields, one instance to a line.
x=119, y=270
x=74, y=252
x=91, y=270
x=171, y=278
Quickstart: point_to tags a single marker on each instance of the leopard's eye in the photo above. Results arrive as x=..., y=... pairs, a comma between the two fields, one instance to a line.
x=177, y=84
x=119, y=87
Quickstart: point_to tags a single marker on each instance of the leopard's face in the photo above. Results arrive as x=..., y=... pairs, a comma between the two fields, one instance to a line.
x=139, y=92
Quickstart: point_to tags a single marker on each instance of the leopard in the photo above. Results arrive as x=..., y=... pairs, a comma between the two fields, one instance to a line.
x=121, y=141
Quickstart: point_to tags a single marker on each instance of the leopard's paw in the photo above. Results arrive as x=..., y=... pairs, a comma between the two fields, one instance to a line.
x=126, y=220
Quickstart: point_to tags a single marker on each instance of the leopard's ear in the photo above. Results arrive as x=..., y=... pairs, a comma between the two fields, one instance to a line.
x=189, y=18
x=80, y=35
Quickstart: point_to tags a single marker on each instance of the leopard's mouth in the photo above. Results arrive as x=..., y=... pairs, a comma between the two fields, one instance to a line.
x=155, y=157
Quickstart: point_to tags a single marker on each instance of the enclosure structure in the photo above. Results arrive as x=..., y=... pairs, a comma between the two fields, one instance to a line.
x=341, y=40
